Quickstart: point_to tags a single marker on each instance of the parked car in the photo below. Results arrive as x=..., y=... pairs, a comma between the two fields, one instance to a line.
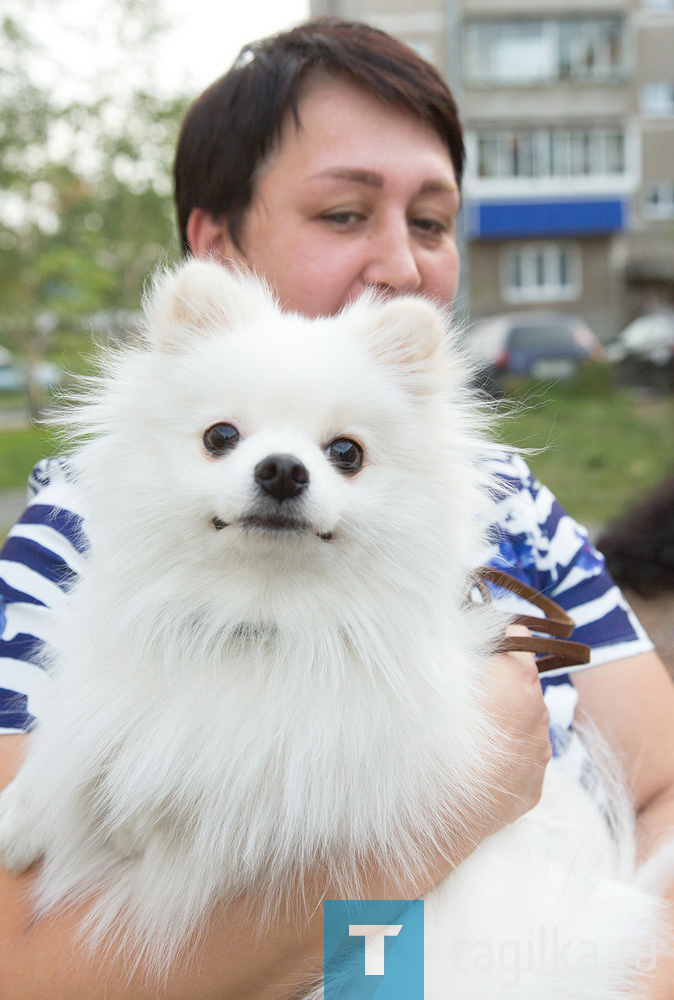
x=14, y=375
x=11, y=377
x=644, y=351
x=541, y=344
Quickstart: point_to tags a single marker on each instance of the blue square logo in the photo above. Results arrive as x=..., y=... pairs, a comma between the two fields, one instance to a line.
x=373, y=948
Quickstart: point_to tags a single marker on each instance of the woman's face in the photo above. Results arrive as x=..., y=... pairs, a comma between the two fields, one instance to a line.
x=360, y=195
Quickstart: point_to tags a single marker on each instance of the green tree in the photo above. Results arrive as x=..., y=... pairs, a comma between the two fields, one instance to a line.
x=86, y=142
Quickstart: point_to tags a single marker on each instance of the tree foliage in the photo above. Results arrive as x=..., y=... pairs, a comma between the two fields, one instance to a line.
x=86, y=143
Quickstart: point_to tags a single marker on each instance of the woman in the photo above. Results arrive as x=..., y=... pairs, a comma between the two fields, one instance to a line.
x=330, y=160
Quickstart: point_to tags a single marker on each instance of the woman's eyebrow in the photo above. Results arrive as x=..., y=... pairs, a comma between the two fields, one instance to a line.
x=371, y=178
x=439, y=186
x=354, y=174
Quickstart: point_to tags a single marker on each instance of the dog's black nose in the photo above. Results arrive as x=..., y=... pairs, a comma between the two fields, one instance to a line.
x=282, y=476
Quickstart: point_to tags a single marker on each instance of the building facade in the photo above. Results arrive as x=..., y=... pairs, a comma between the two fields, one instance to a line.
x=569, y=117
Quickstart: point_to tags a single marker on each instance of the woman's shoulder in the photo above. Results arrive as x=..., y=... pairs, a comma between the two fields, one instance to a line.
x=42, y=555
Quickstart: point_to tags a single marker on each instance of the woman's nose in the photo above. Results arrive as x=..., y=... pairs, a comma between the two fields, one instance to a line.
x=392, y=262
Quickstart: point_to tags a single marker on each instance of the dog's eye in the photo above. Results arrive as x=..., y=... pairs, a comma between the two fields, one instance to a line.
x=345, y=454
x=221, y=438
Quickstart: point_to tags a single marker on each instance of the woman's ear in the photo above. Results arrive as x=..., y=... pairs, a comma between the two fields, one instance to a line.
x=209, y=237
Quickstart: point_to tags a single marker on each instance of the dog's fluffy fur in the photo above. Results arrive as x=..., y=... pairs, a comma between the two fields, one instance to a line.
x=246, y=688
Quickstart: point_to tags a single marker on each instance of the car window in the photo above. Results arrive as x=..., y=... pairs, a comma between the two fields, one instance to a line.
x=527, y=337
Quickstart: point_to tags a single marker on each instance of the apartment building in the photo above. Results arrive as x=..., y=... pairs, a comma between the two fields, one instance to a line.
x=569, y=116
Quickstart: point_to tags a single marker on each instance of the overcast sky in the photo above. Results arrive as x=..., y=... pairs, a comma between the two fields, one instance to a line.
x=79, y=49
x=209, y=33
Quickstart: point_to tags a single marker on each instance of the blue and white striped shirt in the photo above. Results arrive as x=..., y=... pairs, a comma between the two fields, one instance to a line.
x=533, y=538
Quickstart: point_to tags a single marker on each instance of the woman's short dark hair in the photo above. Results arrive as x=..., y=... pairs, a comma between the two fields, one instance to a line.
x=232, y=127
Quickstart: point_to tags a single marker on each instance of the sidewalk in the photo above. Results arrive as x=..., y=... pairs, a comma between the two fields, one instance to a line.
x=12, y=503
x=13, y=418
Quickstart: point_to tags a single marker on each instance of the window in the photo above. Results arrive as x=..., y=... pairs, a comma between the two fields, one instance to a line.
x=538, y=272
x=513, y=53
x=528, y=52
x=657, y=99
x=551, y=153
x=589, y=50
x=659, y=200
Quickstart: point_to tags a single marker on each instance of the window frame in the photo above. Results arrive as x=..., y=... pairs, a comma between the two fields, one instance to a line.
x=551, y=152
x=535, y=262
x=659, y=208
x=576, y=50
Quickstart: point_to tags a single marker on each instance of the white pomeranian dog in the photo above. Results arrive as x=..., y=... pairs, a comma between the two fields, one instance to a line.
x=268, y=664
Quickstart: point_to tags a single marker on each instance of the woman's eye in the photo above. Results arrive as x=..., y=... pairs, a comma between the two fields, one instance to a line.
x=345, y=454
x=430, y=227
x=221, y=438
x=342, y=218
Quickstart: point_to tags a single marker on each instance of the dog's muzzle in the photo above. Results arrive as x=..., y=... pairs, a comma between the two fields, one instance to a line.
x=281, y=480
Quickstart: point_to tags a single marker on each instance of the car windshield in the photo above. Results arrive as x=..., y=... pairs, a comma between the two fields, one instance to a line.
x=551, y=335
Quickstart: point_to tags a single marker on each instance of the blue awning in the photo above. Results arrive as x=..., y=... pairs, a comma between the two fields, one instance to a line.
x=522, y=218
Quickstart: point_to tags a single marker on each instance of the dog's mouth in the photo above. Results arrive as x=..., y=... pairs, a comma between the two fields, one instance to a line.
x=274, y=525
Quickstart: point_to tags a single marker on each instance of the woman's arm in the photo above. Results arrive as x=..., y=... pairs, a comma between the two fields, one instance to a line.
x=235, y=962
x=632, y=702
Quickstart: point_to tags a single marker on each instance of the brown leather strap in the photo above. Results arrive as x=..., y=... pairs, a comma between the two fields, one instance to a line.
x=552, y=653
x=556, y=622
x=557, y=652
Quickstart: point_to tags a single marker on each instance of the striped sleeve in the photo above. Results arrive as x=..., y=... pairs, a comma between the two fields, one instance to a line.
x=41, y=557
x=537, y=541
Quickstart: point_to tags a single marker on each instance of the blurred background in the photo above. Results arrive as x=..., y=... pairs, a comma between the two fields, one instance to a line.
x=567, y=231
x=92, y=93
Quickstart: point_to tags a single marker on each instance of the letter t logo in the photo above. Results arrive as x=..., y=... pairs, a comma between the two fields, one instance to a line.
x=373, y=926
x=374, y=935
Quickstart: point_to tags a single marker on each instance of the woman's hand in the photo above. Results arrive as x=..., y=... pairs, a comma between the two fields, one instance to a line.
x=519, y=713
x=518, y=708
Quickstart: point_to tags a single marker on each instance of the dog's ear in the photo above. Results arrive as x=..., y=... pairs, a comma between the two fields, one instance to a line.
x=202, y=296
x=409, y=334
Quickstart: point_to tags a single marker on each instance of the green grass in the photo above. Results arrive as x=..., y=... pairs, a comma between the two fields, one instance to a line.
x=597, y=447
x=20, y=448
x=13, y=402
